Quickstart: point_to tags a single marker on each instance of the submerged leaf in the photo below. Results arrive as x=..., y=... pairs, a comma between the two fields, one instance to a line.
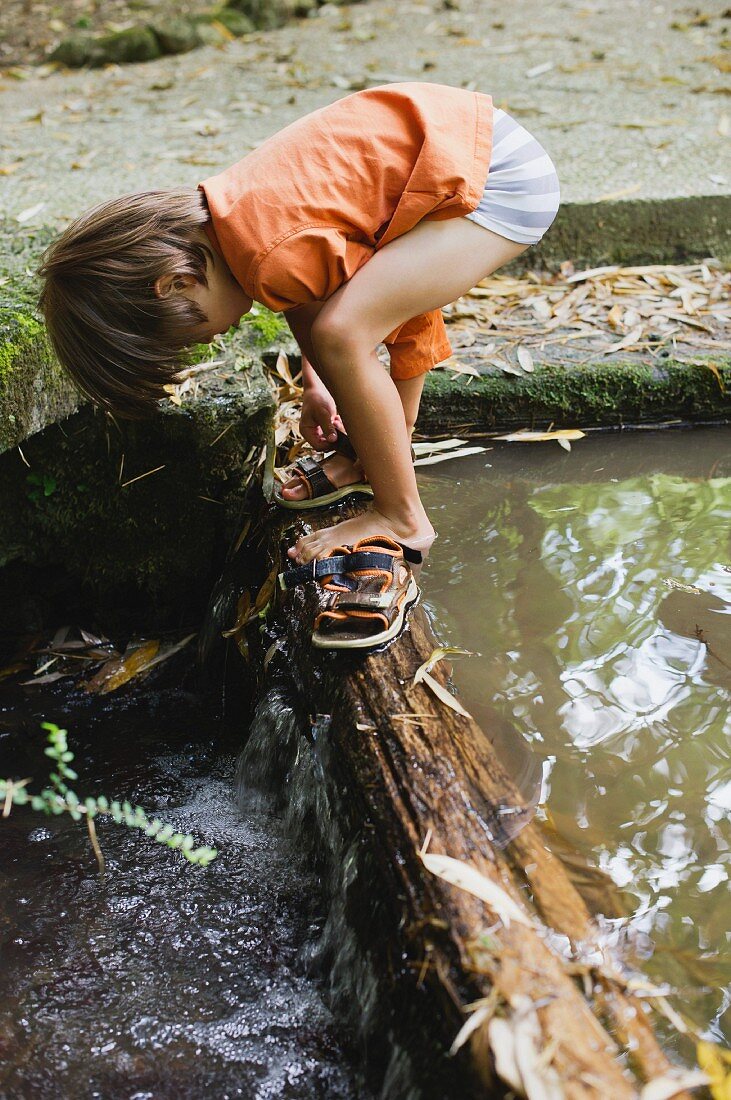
x=113, y=674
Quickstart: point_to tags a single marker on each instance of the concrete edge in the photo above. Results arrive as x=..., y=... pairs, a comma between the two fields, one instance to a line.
x=637, y=231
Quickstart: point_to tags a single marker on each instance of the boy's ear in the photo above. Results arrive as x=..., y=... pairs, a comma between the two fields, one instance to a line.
x=173, y=283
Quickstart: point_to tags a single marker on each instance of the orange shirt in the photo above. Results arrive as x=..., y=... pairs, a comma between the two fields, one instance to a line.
x=298, y=216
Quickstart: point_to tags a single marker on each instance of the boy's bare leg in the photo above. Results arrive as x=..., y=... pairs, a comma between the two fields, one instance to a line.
x=432, y=265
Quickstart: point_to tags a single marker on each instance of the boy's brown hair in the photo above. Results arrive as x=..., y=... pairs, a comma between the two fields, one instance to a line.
x=119, y=340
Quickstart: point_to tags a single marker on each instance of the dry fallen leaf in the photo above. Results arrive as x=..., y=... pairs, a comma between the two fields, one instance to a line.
x=669, y=1085
x=468, y=878
x=525, y=359
x=437, y=655
x=444, y=695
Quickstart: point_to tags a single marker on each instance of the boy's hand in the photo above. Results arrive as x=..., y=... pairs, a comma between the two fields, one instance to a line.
x=319, y=420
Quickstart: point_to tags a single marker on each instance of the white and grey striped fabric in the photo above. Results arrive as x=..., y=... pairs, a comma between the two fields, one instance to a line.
x=522, y=193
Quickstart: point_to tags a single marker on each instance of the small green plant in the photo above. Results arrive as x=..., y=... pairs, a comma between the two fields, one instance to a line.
x=267, y=326
x=58, y=798
x=40, y=486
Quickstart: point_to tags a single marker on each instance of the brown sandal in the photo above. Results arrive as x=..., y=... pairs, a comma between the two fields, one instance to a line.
x=372, y=590
x=320, y=489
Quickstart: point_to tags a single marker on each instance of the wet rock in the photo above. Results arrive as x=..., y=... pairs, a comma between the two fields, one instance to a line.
x=177, y=35
x=237, y=22
x=134, y=44
x=266, y=14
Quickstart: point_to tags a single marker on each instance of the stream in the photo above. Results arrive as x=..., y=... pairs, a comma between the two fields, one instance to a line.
x=595, y=587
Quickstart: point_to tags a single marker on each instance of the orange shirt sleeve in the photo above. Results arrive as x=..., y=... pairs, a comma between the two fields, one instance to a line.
x=307, y=266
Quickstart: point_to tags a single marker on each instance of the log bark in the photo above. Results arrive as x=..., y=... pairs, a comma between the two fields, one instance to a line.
x=409, y=768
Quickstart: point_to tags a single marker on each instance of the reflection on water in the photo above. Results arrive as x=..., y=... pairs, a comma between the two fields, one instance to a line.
x=596, y=587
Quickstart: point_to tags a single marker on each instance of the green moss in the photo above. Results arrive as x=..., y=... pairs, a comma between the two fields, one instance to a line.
x=602, y=395
x=265, y=326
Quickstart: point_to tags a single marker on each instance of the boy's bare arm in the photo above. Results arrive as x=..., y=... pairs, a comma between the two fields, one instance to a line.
x=319, y=420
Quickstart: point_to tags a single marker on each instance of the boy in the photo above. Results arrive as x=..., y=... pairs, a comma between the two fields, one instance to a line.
x=359, y=221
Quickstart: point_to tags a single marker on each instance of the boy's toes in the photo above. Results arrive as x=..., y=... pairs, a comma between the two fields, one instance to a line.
x=293, y=489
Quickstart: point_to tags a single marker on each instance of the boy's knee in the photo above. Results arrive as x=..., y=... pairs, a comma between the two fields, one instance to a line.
x=333, y=333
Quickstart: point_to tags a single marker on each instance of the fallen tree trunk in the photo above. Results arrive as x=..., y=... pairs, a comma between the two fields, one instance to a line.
x=549, y=1011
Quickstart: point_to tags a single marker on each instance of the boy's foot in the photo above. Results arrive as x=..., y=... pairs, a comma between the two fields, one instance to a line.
x=340, y=470
x=370, y=523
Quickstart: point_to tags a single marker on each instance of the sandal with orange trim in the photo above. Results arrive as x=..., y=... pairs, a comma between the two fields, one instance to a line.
x=372, y=587
x=320, y=489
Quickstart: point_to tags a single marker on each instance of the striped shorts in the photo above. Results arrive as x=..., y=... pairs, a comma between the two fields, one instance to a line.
x=522, y=194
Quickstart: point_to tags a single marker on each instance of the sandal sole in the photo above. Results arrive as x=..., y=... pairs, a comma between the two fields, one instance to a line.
x=372, y=641
x=325, y=500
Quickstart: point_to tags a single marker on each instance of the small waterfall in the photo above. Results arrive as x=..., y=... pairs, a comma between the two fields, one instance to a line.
x=289, y=755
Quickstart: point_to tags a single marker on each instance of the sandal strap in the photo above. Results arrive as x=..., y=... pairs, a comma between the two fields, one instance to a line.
x=335, y=566
x=311, y=471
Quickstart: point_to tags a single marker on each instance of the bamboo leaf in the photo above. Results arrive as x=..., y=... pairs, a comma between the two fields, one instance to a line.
x=469, y=879
x=525, y=359
x=444, y=695
x=113, y=674
x=669, y=1085
x=471, y=1024
x=437, y=655
x=541, y=437
x=432, y=460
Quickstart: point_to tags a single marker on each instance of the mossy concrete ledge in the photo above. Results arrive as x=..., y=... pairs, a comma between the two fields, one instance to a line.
x=612, y=394
x=134, y=515
x=34, y=391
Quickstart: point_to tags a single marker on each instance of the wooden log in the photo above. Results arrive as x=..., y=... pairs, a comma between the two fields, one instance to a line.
x=552, y=1011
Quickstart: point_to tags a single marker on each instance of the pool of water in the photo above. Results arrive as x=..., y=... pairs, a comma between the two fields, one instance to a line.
x=162, y=980
x=595, y=586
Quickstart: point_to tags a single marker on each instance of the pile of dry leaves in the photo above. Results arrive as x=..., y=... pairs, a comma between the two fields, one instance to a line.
x=656, y=310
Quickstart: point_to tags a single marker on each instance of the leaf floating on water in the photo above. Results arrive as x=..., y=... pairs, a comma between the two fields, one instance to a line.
x=526, y=436
x=664, y=1088
x=469, y=879
x=525, y=359
x=113, y=674
x=444, y=695
x=439, y=654
x=432, y=460
x=716, y=1061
